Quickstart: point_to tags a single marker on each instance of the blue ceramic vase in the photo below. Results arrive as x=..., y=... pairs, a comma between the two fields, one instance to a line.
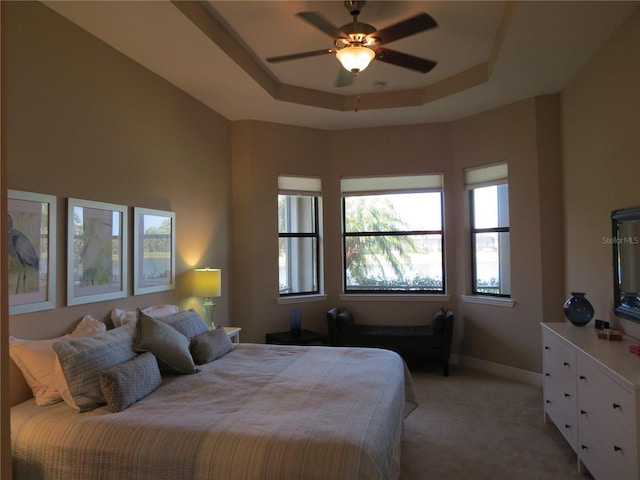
x=578, y=309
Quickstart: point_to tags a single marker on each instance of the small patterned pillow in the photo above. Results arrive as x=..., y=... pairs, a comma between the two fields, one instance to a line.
x=210, y=346
x=124, y=384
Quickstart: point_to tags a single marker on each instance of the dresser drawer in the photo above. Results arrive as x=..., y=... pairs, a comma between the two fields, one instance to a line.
x=614, y=401
x=559, y=360
x=606, y=450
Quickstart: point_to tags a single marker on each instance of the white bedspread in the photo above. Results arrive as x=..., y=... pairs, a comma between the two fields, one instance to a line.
x=260, y=412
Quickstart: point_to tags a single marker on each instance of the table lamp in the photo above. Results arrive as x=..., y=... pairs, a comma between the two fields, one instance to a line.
x=207, y=284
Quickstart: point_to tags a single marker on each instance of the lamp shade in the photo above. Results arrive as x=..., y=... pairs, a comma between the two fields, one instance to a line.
x=355, y=58
x=207, y=282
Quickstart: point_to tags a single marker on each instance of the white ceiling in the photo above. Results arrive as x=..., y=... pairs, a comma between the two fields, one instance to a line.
x=489, y=54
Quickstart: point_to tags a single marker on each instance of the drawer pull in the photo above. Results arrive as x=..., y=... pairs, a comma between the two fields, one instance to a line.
x=582, y=377
x=583, y=412
x=547, y=374
x=568, y=427
x=546, y=347
x=566, y=364
x=584, y=447
x=566, y=395
x=615, y=405
x=617, y=448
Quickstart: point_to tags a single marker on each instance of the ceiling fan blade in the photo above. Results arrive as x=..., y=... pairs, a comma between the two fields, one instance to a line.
x=295, y=56
x=404, y=60
x=322, y=24
x=410, y=26
x=344, y=78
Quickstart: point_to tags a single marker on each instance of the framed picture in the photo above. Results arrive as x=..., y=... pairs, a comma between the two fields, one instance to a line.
x=96, y=251
x=32, y=251
x=154, y=250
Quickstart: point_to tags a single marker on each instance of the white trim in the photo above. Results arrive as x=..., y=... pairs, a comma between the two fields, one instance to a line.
x=512, y=373
x=487, y=300
x=361, y=297
x=302, y=298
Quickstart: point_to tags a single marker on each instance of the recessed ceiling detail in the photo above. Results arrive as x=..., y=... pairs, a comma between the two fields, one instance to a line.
x=488, y=54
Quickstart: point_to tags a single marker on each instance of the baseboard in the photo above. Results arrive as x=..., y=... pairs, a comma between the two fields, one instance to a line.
x=500, y=370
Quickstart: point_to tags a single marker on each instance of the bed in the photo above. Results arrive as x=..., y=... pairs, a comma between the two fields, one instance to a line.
x=258, y=412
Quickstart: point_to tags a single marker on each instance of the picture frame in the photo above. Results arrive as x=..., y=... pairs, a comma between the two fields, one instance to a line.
x=97, y=251
x=154, y=250
x=32, y=251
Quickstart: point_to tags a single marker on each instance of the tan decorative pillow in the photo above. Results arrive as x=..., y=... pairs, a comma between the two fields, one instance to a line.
x=210, y=346
x=124, y=384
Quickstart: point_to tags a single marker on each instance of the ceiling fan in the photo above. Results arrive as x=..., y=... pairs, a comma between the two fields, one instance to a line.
x=356, y=44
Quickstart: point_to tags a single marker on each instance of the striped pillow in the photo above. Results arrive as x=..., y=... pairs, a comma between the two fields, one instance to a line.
x=81, y=359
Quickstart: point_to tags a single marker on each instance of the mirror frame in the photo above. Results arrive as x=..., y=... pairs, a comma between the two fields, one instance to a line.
x=618, y=217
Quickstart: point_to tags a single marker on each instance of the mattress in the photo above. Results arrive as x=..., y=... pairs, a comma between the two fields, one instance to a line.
x=259, y=412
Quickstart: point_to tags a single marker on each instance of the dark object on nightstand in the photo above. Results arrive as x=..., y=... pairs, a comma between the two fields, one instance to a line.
x=420, y=342
x=304, y=337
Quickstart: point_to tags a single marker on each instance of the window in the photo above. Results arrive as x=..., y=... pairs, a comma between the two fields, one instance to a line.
x=299, y=238
x=392, y=234
x=490, y=251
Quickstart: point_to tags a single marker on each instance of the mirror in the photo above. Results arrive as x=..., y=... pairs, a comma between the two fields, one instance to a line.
x=626, y=262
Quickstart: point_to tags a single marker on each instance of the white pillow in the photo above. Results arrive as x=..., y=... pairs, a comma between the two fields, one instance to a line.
x=36, y=360
x=122, y=317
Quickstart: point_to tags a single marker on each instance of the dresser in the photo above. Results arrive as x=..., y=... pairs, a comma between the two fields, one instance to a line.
x=592, y=395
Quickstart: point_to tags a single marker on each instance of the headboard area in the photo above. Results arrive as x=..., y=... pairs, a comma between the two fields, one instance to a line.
x=32, y=368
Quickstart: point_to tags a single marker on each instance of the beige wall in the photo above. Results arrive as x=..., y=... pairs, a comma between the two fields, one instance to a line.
x=262, y=151
x=524, y=134
x=86, y=122
x=601, y=152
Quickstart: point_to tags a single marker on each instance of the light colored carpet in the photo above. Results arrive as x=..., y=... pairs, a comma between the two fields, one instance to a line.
x=475, y=426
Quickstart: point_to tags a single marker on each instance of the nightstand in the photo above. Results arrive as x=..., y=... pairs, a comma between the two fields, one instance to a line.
x=234, y=333
x=305, y=337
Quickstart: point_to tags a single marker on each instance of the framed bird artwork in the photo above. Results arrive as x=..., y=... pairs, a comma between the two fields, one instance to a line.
x=96, y=251
x=32, y=251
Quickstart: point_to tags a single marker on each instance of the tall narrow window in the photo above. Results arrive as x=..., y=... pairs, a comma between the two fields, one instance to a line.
x=299, y=235
x=392, y=234
x=490, y=250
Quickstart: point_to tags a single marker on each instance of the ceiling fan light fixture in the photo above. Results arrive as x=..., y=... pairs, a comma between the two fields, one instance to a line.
x=355, y=58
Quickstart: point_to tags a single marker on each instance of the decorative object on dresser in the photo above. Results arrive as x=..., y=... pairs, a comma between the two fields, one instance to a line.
x=578, y=309
x=207, y=285
x=592, y=395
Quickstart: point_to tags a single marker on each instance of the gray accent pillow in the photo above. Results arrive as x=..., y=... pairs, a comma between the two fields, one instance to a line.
x=170, y=347
x=80, y=360
x=124, y=384
x=187, y=322
x=210, y=346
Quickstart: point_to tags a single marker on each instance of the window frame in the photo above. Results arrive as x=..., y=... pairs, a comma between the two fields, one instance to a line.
x=291, y=187
x=481, y=177
x=394, y=185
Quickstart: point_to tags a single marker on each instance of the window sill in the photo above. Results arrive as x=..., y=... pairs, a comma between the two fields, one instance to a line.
x=484, y=300
x=394, y=298
x=302, y=299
